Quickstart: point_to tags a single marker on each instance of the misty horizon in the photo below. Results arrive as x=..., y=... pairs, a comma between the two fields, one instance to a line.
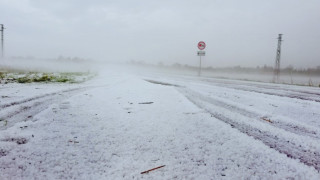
x=236, y=33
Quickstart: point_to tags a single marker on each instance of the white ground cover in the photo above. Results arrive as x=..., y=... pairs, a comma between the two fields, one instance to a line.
x=119, y=125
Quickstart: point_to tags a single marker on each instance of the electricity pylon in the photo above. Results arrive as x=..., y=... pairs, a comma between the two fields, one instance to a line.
x=277, y=65
x=2, y=29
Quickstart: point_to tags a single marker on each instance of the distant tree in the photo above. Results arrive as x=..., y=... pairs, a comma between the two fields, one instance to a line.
x=160, y=64
x=60, y=58
x=290, y=67
x=177, y=65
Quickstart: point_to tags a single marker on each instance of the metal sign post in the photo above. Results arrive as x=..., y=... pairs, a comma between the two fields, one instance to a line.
x=201, y=46
x=199, y=74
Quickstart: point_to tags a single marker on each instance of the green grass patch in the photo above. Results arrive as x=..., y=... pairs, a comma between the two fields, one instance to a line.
x=37, y=77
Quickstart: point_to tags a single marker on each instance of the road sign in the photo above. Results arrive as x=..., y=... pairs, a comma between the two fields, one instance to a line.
x=201, y=45
x=201, y=53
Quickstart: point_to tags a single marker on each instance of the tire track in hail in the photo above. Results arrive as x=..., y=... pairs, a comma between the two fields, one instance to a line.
x=281, y=144
x=260, y=88
x=3, y=106
x=25, y=109
x=296, y=94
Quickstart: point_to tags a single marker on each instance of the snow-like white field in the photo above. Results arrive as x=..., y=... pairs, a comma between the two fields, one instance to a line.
x=120, y=124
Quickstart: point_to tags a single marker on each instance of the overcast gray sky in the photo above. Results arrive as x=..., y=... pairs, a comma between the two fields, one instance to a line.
x=237, y=32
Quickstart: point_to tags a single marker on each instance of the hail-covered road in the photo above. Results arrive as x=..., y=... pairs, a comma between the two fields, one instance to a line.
x=118, y=125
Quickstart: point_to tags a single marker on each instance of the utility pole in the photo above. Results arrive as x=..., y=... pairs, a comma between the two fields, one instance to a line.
x=2, y=29
x=277, y=65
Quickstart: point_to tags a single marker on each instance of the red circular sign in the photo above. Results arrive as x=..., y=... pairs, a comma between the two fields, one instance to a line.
x=201, y=45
